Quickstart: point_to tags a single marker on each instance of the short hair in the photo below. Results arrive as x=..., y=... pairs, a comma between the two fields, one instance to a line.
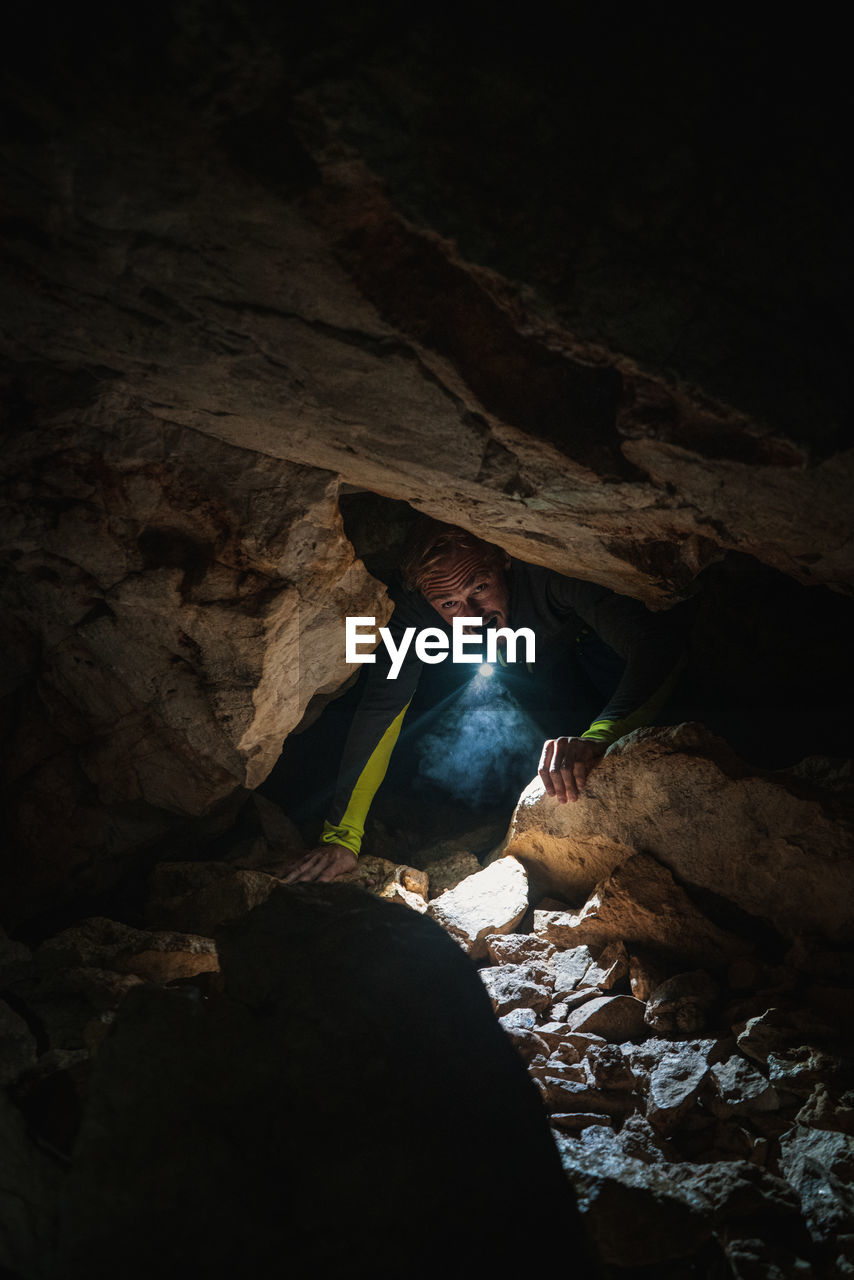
x=431, y=542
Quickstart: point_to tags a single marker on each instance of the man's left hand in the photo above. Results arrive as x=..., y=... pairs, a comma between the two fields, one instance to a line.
x=565, y=764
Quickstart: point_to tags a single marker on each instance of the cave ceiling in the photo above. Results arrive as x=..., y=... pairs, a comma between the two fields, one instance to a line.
x=579, y=289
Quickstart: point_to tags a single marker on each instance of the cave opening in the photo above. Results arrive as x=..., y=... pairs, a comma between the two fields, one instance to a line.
x=769, y=672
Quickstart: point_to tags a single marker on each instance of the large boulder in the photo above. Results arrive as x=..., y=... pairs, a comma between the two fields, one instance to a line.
x=350, y=1089
x=775, y=846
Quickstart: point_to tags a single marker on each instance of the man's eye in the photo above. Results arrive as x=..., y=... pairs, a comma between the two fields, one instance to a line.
x=482, y=586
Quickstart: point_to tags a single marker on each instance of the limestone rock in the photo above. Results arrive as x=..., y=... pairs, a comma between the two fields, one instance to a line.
x=828, y=1108
x=653, y=788
x=491, y=901
x=446, y=873
x=739, y=1089
x=155, y=956
x=197, y=897
x=608, y=1068
x=609, y=969
x=640, y=904
x=519, y=948
x=569, y=967
x=617, y=1018
x=514, y=986
x=522, y=1018
x=820, y=1167
x=679, y=1006
x=675, y=1084
x=635, y=1212
x=561, y=1095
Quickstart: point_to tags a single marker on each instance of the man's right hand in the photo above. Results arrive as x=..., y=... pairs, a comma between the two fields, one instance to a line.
x=325, y=862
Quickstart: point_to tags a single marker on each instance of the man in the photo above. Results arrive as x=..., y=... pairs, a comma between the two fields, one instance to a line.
x=450, y=573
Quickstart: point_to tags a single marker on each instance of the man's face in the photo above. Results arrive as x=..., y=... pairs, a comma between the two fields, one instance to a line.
x=468, y=584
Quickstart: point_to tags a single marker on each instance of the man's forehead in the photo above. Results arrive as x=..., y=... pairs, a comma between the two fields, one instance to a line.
x=455, y=570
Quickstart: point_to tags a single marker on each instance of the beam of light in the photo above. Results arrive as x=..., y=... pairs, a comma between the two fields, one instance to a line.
x=485, y=670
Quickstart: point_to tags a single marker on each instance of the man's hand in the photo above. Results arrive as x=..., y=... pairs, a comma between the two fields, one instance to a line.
x=326, y=862
x=565, y=764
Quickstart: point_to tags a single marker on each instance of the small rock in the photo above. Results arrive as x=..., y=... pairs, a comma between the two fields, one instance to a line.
x=820, y=1167
x=523, y=1019
x=611, y=967
x=828, y=1109
x=679, y=1006
x=608, y=1068
x=558, y=1011
x=198, y=897
x=156, y=956
x=514, y=986
x=447, y=872
x=518, y=948
x=404, y=897
x=572, y=1046
x=492, y=901
x=574, y=1122
x=645, y=974
x=739, y=1089
x=675, y=1084
x=569, y=968
x=799, y=1069
x=563, y=1095
x=616, y=1018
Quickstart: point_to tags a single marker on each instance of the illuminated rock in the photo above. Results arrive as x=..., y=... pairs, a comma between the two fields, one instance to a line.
x=617, y=1018
x=515, y=986
x=491, y=901
x=640, y=903
x=777, y=846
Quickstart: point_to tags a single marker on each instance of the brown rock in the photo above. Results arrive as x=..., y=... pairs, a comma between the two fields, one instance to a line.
x=616, y=1018
x=518, y=948
x=608, y=1068
x=491, y=901
x=197, y=897
x=680, y=1005
x=640, y=903
x=524, y=1019
x=526, y=1043
x=819, y=1165
x=828, y=1108
x=446, y=873
x=611, y=967
x=561, y=1095
x=17, y=1045
x=652, y=788
x=645, y=974
x=105, y=944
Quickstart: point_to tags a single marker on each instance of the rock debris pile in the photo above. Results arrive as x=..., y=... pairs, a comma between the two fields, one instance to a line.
x=699, y=1116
